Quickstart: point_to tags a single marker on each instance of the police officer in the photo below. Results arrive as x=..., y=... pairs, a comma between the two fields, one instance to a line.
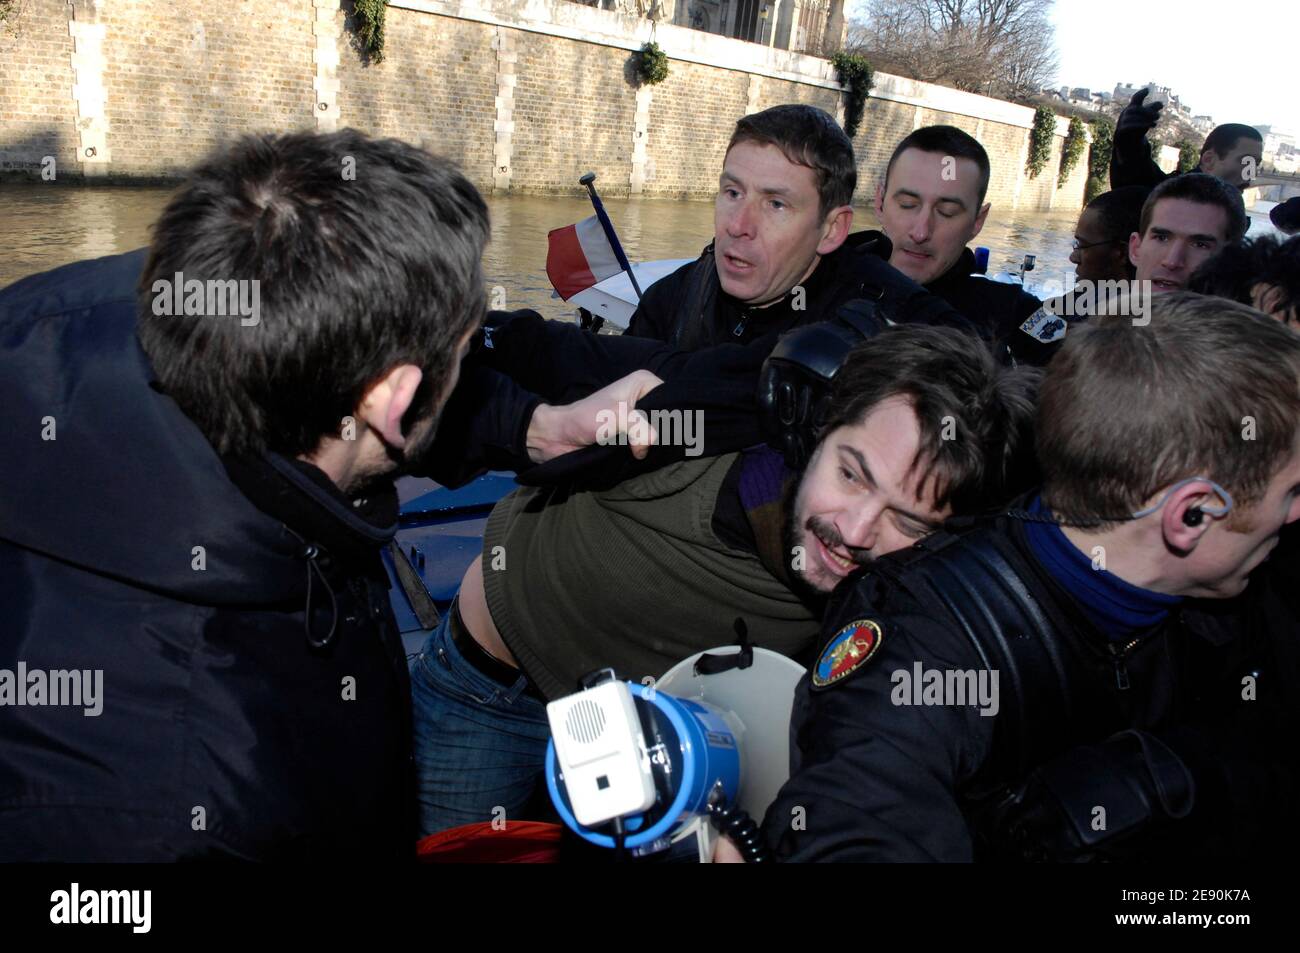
x=1087, y=676
x=782, y=257
x=931, y=206
x=781, y=254
x=1231, y=152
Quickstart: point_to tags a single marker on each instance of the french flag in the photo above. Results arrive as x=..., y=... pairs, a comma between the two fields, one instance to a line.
x=578, y=256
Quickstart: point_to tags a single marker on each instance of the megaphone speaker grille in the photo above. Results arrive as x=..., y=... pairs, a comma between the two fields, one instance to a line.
x=585, y=721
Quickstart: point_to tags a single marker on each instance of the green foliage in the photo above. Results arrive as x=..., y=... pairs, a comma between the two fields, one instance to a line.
x=10, y=10
x=370, y=13
x=1188, y=155
x=1040, y=141
x=652, y=64
x=855, y=75
x=1094, y=187
x=1103, y=141
x=1075, y=139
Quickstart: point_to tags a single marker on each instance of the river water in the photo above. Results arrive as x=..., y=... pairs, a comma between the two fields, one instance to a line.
x=43, y=225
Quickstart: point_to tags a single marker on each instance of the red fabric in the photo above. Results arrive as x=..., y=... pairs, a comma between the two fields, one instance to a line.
x=566, y=262
x=519, y=842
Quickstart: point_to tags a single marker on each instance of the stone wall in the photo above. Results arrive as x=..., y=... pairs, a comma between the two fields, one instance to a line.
x=435, y=88
x=524, y=94
x=38, y=116
x=183, y=77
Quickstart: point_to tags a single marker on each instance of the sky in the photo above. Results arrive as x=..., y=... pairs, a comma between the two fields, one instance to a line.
x=1236, y=62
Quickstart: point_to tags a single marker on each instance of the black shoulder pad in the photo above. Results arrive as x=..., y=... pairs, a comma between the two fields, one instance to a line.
x=975, y=581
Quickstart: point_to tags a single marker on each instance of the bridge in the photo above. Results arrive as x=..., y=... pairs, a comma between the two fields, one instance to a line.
x=1272, y=187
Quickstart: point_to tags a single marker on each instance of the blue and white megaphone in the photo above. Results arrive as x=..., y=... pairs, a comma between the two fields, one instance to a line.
x=654, y=768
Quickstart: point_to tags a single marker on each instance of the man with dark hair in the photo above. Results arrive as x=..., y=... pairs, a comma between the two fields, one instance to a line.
x=1231, y=152
x=931, y=206
x=1100, y=247
x=1102, y=620
x=778, y=257
x=920, y=423
x=1263, y=272
x=198, y=484
x=1185, y=220
x=1103, y=273
x=1285, y=216
x=925, y=246
x=782, y=257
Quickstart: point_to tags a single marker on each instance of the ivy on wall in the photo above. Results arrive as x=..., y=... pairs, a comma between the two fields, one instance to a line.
x=1103, y=141
x=1075, y=139
x=1040, y=141
x=652, y=64
x=855, y=75
x=370, y=29
x=10, y=11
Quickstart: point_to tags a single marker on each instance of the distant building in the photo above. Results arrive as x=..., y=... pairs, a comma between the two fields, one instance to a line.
x=1079, y=96
x=802, y=26
x=1124, y=92
x=1277, y=143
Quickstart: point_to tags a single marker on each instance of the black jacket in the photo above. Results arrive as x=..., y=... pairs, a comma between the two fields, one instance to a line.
x=689, y=310
x=876, y=780
x=522, y=359
x=996, y=309
x=127, y=546
x=1131, y=162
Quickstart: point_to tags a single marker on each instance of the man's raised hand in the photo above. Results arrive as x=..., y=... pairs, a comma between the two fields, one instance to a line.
x=1138, y=118
x=607, y=416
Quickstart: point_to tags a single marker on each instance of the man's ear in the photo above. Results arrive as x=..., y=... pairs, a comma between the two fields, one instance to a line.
x=835, y=229
x=979, y=219
x=1178, y=534
x=880, y=200
x=1134, y=244
x=388, y=400
x=1120, y=253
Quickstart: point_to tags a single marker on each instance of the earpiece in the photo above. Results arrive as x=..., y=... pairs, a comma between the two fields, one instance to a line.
x=1193, y=516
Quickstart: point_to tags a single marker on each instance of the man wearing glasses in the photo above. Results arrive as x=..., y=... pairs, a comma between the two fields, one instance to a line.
x=1101, y=236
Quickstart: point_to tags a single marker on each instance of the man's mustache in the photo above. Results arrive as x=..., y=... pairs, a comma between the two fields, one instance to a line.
x=832, y=538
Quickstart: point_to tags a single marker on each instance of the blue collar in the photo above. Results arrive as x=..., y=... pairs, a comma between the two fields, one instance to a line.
x=1118, y=609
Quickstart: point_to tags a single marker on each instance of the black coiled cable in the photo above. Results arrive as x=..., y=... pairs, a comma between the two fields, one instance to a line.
x=743, y=831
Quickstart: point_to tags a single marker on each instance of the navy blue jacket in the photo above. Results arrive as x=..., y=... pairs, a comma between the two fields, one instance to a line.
x=223, y=731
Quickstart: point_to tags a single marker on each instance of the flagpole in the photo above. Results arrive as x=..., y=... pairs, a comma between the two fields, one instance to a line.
x=608, y=226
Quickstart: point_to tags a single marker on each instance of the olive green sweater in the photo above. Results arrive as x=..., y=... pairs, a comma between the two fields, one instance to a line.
x=632, y=578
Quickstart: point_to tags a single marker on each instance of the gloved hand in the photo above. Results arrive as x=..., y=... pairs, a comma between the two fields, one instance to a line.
x=1095, y=803
x=1137, y=119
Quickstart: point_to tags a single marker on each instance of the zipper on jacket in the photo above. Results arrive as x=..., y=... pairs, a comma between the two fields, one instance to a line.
x=1120, y=657
x=739, y=329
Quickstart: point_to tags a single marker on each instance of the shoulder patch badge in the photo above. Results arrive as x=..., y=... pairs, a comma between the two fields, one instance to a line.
x=1044, y=326
x=846, y=652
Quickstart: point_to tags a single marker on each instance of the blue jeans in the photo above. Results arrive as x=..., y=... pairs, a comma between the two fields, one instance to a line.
x=480, y=747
